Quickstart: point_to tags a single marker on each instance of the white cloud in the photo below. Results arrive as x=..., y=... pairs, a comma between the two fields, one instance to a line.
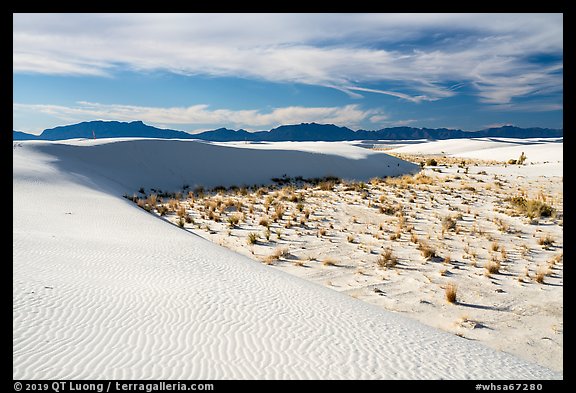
x=486, y=51
x=349, y=115
x=396, y=94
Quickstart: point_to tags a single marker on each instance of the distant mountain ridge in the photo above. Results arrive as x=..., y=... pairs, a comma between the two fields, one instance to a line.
x=298, y=132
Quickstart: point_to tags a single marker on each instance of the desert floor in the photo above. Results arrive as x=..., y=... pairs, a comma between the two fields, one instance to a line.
x=490, y=231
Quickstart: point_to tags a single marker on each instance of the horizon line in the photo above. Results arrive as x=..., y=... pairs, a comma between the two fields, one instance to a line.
x=284, y=125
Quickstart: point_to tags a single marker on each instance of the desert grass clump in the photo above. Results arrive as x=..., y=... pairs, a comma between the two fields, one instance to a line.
x=276, y=255
x=388, y=210
x=427, y=251
x=450, y=292
x=322, y=232
x=350, y=238
x=401, y=220
x=142, y=203
x=234, y=220
x=502, y=226
x=181, y=223
x=448, y=223
x=492, y=267
x=531, y=208
x=252, y=238
x=494, y=246
x=181, y=212
x=152, y=199
x=546, y=241
x=556, y=259
x=387, y=259
x=327, y=185
x=278, y=233
x=162, y=210
x=173, y=204
x=264, y=222
x=213, y=216
x=396, y=235
x=329, y=262
x=540, y=275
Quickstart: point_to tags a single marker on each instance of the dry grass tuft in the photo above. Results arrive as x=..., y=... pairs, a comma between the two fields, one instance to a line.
x=531, y=208
x=265, y=222
x=276, y=255
x=540, y=274
x=450, y=292
x=252, y=238
x=387, y=259
x=234, y=220
x=448, y=224
x=426, y=250
x=494, y=246
x=329, y=262
x=546, y=241
x=492, y=267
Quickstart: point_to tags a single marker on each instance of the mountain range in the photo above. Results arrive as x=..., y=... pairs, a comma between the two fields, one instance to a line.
x=297, y=132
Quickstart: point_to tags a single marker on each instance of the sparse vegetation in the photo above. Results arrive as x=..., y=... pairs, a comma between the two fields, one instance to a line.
x=532, y=208
x=546, y=241
x=276, y=255
x=363, y=226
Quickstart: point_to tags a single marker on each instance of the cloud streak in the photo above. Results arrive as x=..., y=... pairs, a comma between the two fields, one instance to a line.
x=350, y=52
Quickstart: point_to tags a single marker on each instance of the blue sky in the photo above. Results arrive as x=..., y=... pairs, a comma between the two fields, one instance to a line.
x=196, y=72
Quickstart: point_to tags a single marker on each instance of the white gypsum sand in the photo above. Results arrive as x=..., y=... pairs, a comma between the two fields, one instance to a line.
x=340, y=238
x=101, y=289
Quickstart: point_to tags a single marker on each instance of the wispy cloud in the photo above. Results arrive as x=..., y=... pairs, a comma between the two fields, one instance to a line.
x=423, y=55
x=349, y=115
x=394, y=94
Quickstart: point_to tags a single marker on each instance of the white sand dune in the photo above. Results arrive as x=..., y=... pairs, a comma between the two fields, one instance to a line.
x=102, y=289
x=537, y=150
